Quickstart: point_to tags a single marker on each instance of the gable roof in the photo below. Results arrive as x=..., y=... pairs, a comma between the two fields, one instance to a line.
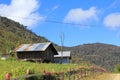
x=32, y=47
x=65, y=54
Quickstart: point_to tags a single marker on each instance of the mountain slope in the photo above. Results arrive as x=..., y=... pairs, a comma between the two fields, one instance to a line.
x=12, y=34
x=104, y=55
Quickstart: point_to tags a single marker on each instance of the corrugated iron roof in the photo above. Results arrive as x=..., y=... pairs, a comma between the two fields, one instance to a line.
x=32, y=47
x=65, y=54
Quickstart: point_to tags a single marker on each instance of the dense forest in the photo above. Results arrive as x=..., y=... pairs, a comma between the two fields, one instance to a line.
x=13, y=34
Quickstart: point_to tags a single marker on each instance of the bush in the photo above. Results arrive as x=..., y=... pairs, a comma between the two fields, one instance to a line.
x=11, y=59
x=117, y=68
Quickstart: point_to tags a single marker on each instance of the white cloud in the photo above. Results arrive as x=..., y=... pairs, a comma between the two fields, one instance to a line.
x=80, y=16
x=112, y=20
x=23, y=11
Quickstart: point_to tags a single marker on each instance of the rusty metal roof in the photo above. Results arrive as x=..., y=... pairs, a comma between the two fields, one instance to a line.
x=65, y=54
x=32, y=47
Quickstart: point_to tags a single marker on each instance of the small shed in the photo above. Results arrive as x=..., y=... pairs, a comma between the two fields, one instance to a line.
x=63, y=57
x=5, y=56
x=40, y=52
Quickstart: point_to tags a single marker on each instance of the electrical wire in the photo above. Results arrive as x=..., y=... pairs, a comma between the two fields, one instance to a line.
x=53, y=21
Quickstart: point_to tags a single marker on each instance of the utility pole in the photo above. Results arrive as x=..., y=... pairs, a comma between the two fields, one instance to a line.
x=62, y=44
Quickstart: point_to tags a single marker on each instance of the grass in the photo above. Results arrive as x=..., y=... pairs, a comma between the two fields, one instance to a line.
x=18, y=68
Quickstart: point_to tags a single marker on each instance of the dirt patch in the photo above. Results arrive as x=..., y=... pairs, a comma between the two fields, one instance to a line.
x=105, y=76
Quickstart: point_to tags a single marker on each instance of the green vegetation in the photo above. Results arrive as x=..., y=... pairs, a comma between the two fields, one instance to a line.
x=117, y=68
x=18, y=68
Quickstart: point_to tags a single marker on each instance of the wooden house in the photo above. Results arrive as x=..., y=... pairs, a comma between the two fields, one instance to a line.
x=40, y=52
x=63, y=57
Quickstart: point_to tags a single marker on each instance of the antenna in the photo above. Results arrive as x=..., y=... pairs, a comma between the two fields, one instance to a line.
x=62, y=44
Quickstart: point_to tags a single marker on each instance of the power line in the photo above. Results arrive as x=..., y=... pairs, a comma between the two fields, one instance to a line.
x=53, y=21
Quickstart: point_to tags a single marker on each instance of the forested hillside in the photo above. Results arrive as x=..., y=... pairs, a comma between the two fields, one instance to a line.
x=13, y=34
x=104, y=55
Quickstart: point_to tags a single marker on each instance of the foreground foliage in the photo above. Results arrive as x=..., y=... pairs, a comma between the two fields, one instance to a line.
x=18, y=68
x=117, y=68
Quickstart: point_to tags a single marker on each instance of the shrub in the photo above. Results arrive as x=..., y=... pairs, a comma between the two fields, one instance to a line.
x=117, y=68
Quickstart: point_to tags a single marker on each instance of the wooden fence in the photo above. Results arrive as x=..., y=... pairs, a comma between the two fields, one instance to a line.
x=76, y=74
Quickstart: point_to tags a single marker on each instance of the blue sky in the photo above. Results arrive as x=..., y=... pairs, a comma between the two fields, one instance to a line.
x=81, y=21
